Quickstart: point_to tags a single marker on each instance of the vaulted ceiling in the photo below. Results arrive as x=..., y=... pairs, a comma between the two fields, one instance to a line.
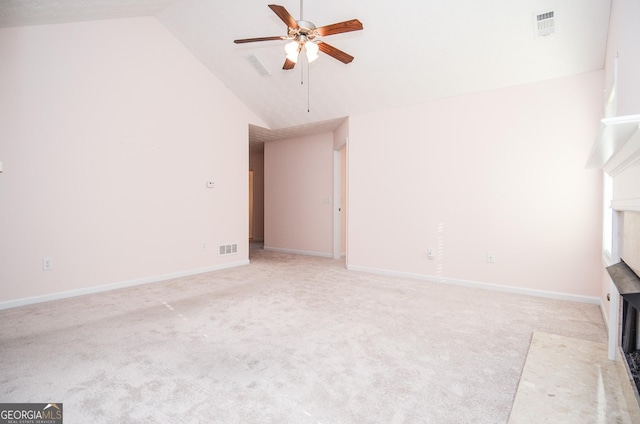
x=410, y=51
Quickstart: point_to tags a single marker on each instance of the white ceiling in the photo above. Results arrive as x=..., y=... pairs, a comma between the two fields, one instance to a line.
x=410, y=51
x=37, y=12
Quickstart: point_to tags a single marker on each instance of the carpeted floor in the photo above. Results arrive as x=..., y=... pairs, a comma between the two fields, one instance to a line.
x=286, y=339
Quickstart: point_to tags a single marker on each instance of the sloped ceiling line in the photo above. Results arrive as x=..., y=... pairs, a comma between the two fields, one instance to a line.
x=409, y=51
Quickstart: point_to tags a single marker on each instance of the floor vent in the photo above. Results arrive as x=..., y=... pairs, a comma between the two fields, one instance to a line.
x=228, y=249
x=544, y=23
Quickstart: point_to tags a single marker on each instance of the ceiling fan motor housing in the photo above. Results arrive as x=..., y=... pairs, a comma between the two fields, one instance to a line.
x=305, y=28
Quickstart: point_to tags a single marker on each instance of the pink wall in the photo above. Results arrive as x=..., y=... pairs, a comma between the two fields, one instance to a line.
x=500, y=171
x=110, y=130
x=298, y=175
x=341, y=135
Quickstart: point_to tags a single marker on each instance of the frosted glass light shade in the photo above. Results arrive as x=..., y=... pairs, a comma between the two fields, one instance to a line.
x=312, y=51
x=292, y=49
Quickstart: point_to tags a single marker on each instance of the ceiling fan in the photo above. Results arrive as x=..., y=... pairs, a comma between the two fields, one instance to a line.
x=302, y=35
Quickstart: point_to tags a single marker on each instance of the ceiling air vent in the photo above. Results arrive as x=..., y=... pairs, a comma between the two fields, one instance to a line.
x=255, y=62
x=544, y=23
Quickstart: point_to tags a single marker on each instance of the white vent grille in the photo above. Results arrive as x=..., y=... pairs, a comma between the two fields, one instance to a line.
x=228, y=249
x=255, y=62
x=544, y=23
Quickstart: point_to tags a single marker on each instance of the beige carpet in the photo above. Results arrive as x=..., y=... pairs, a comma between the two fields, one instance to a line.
x=287, y=339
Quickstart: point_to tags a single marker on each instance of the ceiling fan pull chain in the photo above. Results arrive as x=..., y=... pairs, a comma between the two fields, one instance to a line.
x=308, y=90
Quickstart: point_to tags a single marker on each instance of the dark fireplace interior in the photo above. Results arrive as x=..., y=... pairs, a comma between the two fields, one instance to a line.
x=630, y=341
x=625, y=277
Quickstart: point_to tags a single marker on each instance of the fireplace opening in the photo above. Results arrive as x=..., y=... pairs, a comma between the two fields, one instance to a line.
x=629, y=340
x=625, y=276
x=628, y=284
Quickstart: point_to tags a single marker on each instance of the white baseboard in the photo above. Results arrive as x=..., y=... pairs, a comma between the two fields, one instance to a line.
x=605, y=316
x=480, y=285
x=298, y=252
x=114, y=286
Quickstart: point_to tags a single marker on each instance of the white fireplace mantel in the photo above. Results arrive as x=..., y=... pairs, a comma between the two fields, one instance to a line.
x=617, y=145
x=616, y=151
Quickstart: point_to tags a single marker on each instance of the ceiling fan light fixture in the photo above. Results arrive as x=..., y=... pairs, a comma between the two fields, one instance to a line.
x=312, y=50
x=292, y=49
x=300, y=35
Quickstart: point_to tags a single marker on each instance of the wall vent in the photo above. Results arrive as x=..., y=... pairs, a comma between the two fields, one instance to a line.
x=228, y=249
x=258, y=65
x=544, y=23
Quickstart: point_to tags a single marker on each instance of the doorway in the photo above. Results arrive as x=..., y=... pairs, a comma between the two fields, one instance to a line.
x=339, y=202
x=251, y=205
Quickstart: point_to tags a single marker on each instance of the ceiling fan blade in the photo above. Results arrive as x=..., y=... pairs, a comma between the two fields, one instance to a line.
x=288, y=64
x=251, y=40
x=284, y=15
x=335, y=53
x=340, y=27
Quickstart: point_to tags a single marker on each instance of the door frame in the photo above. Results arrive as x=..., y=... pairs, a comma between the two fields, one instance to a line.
x=251, y=205
x=337, y=198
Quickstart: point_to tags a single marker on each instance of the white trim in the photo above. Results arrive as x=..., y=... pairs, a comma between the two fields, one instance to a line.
x=481, y=285
x=607, y=261
x=299, y=252
x=114, y=286
x=346, y=202
x=614, y=169
x=337, y=184
x=613, y=323
x=632, y=204
x=614, y=133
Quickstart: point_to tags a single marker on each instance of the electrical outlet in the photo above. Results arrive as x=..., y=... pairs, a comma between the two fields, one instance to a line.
x=47, y=264
x=204, y=246
x=431, y=253
x=491, y=257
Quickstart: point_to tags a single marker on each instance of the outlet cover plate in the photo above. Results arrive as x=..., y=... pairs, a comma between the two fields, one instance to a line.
x=47, y=264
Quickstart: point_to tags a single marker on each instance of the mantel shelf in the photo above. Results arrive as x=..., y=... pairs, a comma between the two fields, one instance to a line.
x=611, y=149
